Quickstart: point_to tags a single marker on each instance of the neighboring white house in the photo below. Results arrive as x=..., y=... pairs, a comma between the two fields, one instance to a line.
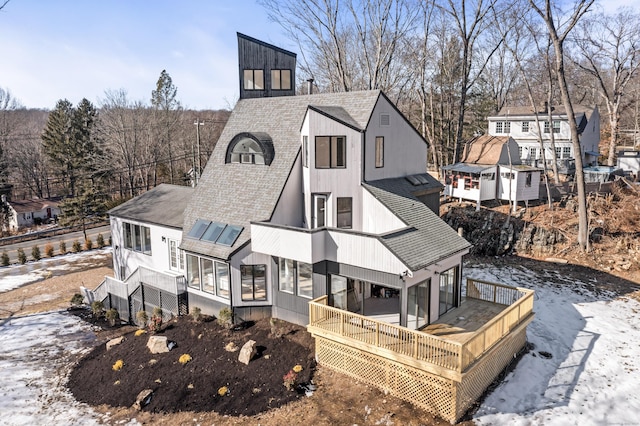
x=25, y=213
x=491, y=169
x=520, y=124
x=303, y=196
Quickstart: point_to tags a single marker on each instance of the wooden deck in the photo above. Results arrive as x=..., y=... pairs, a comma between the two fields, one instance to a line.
x=447, y=347
x=462, y=323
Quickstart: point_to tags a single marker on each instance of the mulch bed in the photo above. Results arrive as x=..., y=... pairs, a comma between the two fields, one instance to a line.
x=253, y=388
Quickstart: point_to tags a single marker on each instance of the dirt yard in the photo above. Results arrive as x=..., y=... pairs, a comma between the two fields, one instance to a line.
x=338, y=399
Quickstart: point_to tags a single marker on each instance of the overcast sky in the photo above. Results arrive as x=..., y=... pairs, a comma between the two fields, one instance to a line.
x=74, y=49
x=51, y=50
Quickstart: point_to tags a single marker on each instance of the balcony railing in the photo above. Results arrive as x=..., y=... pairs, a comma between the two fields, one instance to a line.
x=438, y=354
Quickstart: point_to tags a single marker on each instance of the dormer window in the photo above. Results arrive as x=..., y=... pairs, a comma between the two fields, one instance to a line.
x=250, y=148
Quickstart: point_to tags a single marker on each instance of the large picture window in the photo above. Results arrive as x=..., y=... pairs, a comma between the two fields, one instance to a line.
x=208, y=275
x=345, y=212
x=253, y=80
x=137, y=237
x=281, y=79
x=253, y=281
x=296, y=277
x=331, y=152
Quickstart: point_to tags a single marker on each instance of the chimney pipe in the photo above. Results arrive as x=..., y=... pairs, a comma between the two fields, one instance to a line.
x=310, y=86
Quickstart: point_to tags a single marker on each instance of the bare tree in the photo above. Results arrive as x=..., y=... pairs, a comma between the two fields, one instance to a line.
x=610, y=52
x=347, y=45
x=558, y=33
x=472, y=19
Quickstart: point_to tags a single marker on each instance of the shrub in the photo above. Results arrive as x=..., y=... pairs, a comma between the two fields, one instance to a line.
x=35, y=252
x=223, y=391
x=118, y=365
x=140, y=332
x=155, y=325
x=196, y=314
x=77, y=299
x=97, y=308
x=276, y=330
x=289, y=379
x=184, y=358
x=76, y=247
x=88, y=244
x=48, y=250
x=225, y=317
x=63, y=247
x=22, y=258
x=142, y=317
x=100, y=241
x=113, y=316
x=5, y=259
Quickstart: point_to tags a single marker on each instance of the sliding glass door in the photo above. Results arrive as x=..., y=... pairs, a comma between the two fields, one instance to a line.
x=448, y=290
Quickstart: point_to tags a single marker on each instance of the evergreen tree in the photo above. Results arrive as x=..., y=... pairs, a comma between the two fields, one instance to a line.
x=86, y=206
x=167, y=114
x=69, y=143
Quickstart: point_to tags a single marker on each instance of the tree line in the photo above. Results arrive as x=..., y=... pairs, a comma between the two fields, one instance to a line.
x=96, y=156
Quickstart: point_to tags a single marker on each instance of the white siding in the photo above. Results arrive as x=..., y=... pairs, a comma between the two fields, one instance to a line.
x=376, y=218
x=347, y=247
x=159, y=258
x=290, y=209
x=334, y=182
x=405, y=152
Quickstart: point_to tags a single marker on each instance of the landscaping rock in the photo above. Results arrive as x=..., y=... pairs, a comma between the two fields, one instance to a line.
x=143, y=399
x=157, y=344
x=247, y=352
x=113, y=342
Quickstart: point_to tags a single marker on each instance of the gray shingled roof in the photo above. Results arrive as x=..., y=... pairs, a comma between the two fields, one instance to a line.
x=428, y=238
x=163, y=205
x=339, y=114
x=237, y=194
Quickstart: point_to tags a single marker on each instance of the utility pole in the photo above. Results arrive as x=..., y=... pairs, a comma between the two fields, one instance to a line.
x=196, y=171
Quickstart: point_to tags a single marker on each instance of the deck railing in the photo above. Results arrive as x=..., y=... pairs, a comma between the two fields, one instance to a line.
x=416, y=345
x=520, y=307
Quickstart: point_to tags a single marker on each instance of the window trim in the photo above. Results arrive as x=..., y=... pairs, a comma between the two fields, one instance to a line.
x=253, y=269
x=379, y=152
x=252, y=80
x=525, y=127
x=137, y=238
x=278, y=72
x=295, y=285
x=305, y=151
x=334, y=145
x=349, y=212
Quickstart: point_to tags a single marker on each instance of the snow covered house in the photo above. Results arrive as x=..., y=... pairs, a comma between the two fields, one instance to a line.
x=520, y=124
x=491, y=169
x=318, y=210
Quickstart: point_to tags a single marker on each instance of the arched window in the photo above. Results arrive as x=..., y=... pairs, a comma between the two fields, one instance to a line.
x=250, y=148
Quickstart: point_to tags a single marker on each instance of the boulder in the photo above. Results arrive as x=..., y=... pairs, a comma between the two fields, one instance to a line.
x=143, y=399
x=113, y=342
x=247, y=352
x=158, y=344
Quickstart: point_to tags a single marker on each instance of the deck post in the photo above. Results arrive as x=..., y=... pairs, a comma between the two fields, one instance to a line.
x=377, y=334
x=341, y=323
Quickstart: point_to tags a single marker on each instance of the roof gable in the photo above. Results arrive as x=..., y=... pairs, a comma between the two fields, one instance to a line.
x=488, y=149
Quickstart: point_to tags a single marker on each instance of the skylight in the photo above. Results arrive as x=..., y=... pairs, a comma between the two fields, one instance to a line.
x=215, y=232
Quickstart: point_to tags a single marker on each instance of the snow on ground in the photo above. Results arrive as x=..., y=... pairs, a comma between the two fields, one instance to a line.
x=593, y=373
x=15, y=276
x=35, y=359
x=591, y=377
